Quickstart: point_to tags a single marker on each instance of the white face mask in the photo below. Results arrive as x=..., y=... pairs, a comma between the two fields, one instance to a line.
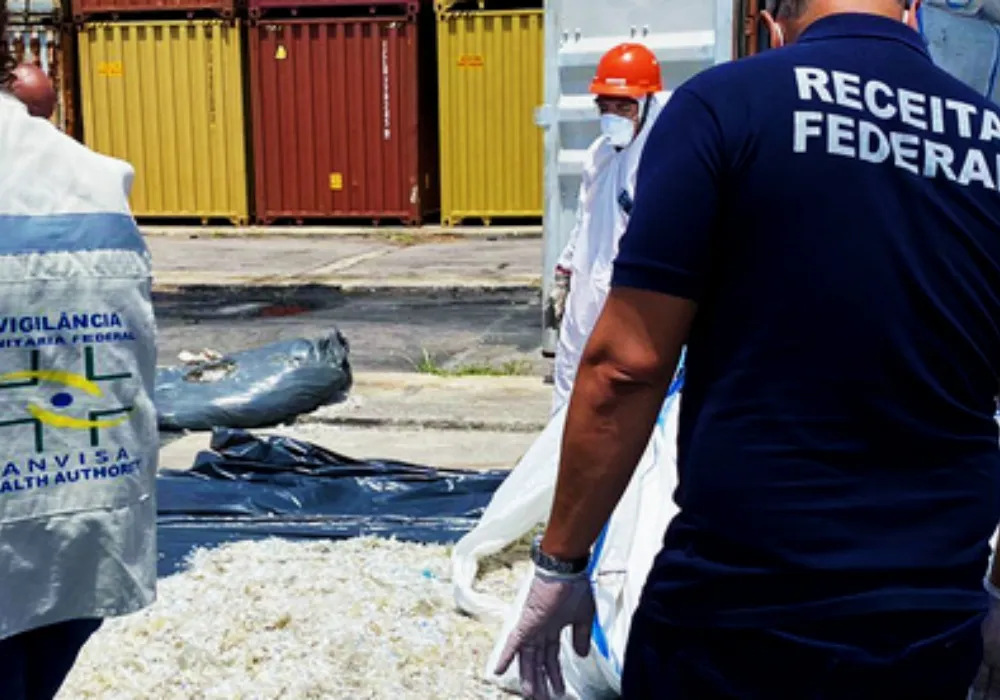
x=619, y=130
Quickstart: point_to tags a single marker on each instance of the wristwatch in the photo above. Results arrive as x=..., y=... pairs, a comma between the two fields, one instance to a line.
x=553, y=565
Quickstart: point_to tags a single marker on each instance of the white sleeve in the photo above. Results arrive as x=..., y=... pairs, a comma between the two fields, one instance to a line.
x=566, y=258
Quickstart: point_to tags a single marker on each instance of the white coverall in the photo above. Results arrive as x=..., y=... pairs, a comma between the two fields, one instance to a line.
x=593, y=245
x=78, y=433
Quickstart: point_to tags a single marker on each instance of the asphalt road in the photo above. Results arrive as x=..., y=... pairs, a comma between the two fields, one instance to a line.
x=387, y=330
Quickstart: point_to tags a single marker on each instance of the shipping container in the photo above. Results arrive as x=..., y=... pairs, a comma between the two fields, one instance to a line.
x=339, y=8
x=91, y=9
x=687, y=36
x=337, y=120
x=25, y=11
x=49, y=48
x=168, y=98
x=490, y=67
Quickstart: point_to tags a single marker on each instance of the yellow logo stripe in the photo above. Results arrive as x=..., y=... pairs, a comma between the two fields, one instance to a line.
x=57, y=420
x=55, y=376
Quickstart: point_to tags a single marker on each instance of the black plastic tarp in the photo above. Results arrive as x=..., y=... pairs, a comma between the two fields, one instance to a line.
x=255, y=388
x=253, y=487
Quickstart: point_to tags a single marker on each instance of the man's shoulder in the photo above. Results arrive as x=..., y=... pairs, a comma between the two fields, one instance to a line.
x=739, y=77
x=75, y=178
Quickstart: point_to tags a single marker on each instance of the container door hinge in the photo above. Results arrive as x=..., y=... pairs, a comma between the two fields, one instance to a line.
x=546, y=116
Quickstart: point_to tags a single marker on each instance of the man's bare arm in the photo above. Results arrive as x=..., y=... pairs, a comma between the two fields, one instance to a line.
x=620, y=387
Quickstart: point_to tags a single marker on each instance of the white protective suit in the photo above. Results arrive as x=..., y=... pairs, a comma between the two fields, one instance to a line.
x=621, y=558
x=985, y=9
x=78, y=431
x=593, y=245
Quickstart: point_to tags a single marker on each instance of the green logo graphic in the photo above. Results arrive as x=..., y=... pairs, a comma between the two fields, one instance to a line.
x=88, y=383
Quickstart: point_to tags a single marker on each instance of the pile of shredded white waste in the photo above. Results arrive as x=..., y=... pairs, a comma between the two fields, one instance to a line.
x=358, y=619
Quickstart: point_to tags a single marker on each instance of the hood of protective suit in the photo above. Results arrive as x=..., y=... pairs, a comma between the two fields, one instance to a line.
x=607, y=173
x=966, y=47
x=77, y=364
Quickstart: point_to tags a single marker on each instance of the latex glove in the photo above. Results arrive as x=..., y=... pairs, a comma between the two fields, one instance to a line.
x=987, y=683
x=553, y=603
x=556, y=303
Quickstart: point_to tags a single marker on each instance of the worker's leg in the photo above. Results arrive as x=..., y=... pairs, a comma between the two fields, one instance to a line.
x=918, y=656
x=50, y=654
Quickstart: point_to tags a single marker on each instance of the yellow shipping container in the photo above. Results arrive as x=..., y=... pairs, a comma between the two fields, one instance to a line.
x=168, y=98
x=490, y=69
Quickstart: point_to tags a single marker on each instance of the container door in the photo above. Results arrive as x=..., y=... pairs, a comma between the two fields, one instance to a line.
x=167, y=97
x=335, y=119
x=490, y=82
x=687, y=37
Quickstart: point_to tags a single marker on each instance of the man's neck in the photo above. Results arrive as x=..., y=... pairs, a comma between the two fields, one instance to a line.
x=819, y=9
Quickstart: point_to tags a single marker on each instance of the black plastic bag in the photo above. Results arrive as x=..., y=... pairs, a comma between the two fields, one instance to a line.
x=254, y=388
x=252, y=487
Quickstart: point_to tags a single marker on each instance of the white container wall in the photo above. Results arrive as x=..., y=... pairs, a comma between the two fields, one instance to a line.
x=20, y=9
x=686, y=35
x=46, y=47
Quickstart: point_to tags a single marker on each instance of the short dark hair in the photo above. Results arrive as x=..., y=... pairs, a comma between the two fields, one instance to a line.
x=786, y=9
x=6, y=60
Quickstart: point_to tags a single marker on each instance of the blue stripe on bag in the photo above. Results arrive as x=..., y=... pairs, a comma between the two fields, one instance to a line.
x=69, y=233
x=598, y=637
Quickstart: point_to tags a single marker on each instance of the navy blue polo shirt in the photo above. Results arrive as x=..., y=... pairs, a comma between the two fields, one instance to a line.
x=833, y=207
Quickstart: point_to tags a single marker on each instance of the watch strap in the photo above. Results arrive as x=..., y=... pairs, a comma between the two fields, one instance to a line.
x=555, y=566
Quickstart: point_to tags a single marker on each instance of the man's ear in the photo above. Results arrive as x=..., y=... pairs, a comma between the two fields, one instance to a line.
x=774, y=29
x=913, y=18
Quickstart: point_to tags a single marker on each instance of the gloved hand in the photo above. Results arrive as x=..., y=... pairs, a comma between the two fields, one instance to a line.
x=987, y=683
x=553, y=603
x=555, y=306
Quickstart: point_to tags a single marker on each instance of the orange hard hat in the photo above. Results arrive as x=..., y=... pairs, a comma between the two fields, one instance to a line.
x=627, y=70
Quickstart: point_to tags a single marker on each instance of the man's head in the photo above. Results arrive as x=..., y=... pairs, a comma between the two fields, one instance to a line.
x=787, y=19
x=627, y=76
x=34, y=88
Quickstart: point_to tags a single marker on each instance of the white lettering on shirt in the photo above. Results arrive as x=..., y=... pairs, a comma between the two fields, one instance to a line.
x=847, y=88
x=873, y=144
x=976, y=170
x=991, y=126
x=897, y=132
x=812, y=80
x=937, y=114
x=938, y=156
x=905, y=146
x=840, y=135
x=911, y=108
x=884, y=111
x=806, y=125
x=963, y=113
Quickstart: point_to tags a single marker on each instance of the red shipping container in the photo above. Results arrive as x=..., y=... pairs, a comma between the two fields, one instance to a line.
x=410, y=8
x=85, y=9
x=337, y=107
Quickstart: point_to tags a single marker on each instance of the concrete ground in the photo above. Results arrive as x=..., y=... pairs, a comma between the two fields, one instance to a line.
x=346, y=262
x=451, y=423
x=400, y=232
x=388, y=330
x=412, y=307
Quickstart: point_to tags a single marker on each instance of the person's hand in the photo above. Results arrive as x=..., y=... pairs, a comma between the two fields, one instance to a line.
x=556, y=304
x=553, y=603
x=987, y=683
